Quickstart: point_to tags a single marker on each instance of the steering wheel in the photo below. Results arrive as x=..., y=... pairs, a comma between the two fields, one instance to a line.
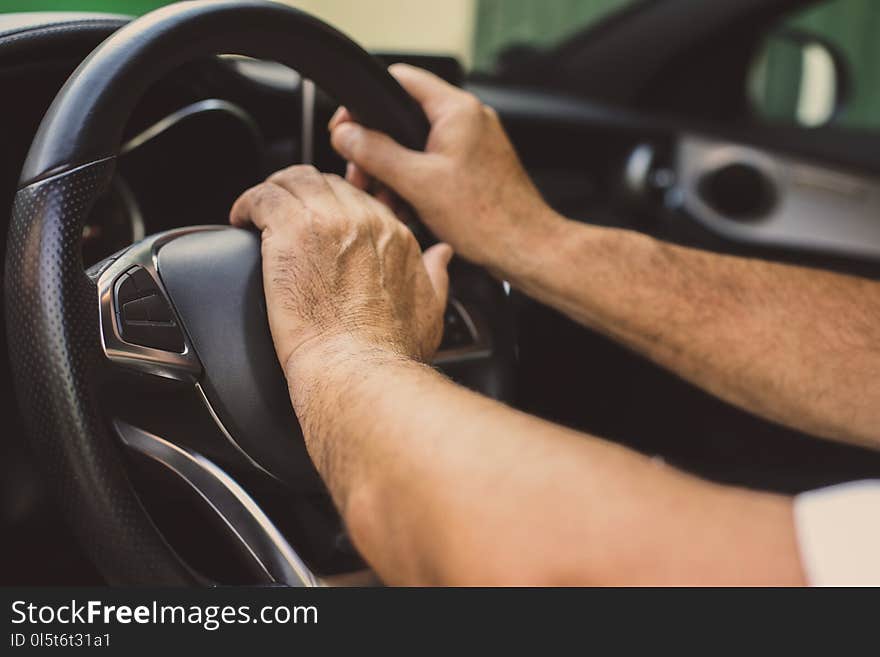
x=181, y=314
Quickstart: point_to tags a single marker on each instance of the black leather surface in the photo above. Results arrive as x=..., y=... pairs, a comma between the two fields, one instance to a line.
x=51, y=319
x=215, y=281
x=29, y=35
x=29, y=22
x=51, y=306
x=86, y=120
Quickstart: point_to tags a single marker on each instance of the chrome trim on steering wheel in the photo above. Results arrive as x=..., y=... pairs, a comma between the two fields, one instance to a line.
x=183, y=366
x=264, y=545
x=481, y=343
x=222, y=428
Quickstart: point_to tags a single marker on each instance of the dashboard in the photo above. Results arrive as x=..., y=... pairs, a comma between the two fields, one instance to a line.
x=175, y=157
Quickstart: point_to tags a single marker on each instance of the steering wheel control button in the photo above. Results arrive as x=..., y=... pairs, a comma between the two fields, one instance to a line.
x=166, y=337
x=157, y=309
x=142, y=280
x=143, y=315
x=135, y=311
x=126, y=290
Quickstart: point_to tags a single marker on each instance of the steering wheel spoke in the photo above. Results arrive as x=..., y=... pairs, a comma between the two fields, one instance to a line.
x=186, y=309
x=261, y=545
x=139, y=327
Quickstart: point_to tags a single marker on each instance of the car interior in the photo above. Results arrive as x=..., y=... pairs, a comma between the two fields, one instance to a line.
x=148, y=437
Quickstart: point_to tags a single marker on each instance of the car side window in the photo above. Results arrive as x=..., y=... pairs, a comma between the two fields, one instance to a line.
x=821, y=66
x=510, y=28
x=482, y=34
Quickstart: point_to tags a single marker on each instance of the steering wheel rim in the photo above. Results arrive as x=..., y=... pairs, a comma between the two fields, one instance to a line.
x=55, y=341
x=86, y=120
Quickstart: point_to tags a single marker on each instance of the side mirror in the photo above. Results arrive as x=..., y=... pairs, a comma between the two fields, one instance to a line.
x=798, y=78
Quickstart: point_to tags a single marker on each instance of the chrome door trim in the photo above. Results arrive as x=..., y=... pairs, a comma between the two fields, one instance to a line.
x=817, y=209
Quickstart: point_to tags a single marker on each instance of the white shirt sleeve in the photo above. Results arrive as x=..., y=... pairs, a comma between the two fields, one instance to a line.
x=838, y=532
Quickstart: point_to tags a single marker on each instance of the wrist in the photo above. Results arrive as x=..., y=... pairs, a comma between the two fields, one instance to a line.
x=333, y=382
x=319, y=353
x=529, y=246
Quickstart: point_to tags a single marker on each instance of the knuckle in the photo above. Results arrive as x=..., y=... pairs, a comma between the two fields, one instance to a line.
x=376, y=221
x=266, y=196
x=470, y=104
x=407, y=240
x=405, y=234
x=307, y=170
x=341, y=220
x=333, y=223
x=295, y=173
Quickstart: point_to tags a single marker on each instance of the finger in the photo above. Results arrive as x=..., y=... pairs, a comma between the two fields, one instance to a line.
x=261, y=206
x=342, y=188
x=362, y=181
x=307, y=184
x=436, y=261
x=357, y=177
x=352, y=199
x=430, y=91
x=387, y=198
x=379, y=156
x=341, y=115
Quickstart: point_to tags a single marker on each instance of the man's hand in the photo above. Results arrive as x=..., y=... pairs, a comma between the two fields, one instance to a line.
x=794, y=345
x=437, y=484
x=337, y=264
x=468, y=187
x=429, y=476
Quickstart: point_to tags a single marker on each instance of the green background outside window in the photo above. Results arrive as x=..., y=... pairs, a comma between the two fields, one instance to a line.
x=854, y=25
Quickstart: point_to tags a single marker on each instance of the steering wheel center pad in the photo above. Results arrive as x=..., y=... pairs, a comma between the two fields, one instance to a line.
x=215, y=282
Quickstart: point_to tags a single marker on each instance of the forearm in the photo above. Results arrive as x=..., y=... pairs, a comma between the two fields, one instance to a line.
x=795, y=345
x=440, y=485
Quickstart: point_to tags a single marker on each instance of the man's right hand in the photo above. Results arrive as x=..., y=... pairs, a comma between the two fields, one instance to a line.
x=468, y=187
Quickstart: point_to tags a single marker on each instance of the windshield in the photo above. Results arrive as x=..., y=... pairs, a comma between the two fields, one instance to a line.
x=476, y=32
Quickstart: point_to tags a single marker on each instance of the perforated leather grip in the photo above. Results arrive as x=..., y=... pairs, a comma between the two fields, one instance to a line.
x=85, y=123
x=51, y=305
x=55, y=353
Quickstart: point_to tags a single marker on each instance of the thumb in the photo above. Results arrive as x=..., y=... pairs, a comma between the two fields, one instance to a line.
x=436, y=261
x=379, y=156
